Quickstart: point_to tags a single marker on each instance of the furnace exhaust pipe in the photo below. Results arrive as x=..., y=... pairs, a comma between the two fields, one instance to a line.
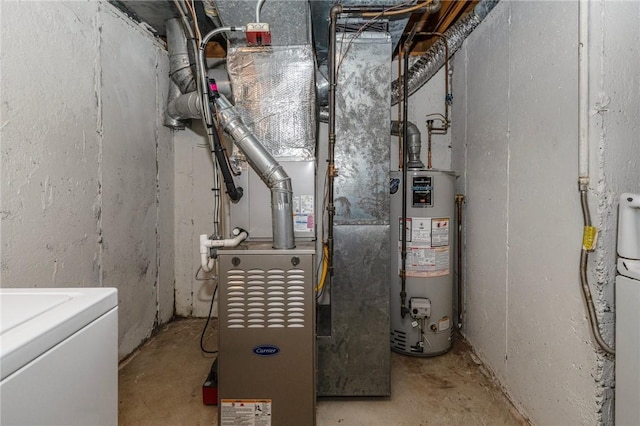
x=272, y=173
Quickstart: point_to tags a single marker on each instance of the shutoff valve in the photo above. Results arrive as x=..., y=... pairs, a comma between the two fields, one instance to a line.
x=420, y=307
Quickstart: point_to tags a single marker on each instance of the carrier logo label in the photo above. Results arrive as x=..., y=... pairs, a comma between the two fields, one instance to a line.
x=266, y=350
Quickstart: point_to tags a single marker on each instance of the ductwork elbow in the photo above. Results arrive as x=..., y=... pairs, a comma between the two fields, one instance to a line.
x=179, y=64
x=185, y=106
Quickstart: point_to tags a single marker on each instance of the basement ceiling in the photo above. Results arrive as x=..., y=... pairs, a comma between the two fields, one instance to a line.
x=154, y=13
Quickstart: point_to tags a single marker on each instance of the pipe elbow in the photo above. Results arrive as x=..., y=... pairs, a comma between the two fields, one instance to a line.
x=335, y=10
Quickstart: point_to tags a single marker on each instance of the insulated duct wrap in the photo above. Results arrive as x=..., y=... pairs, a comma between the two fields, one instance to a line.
x=274, y=90
x=429, y=63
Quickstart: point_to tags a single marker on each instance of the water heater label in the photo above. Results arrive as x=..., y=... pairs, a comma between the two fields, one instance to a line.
x=426, y=262
x=440, y=232
x=428, y=252
x=246, y=412
x=422, y=191
x=426, y=231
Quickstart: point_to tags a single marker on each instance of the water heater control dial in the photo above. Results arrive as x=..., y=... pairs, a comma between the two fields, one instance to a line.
x=420, y=307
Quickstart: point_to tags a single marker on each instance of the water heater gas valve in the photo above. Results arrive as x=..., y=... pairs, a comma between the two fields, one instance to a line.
x=420, y=307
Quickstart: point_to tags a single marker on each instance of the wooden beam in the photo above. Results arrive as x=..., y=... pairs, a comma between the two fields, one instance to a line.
x=215, y=50
x=453, y=16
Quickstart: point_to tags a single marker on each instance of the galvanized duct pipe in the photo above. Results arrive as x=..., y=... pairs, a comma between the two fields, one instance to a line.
x=269, y=170
x=429, y=63
x=179, y=64
x=189, y=105
x=169, y=121
x=185, y=107
x=413, y=143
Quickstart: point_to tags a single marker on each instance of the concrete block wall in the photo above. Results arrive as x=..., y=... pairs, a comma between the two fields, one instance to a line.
x=516, y=137
x=87, y=167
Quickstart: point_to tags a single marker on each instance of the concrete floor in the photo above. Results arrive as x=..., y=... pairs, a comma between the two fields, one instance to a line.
x=161, y=384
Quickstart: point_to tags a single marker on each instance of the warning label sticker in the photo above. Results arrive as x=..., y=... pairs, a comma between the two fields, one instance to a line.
x=426, y=231
x=440, y=232
x=426, y=262
x=303, y=214
x=245, y=412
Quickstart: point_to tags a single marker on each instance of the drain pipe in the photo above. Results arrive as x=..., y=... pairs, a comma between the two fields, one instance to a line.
x=589, y=235
x=206, y=261
x=429, y=63
x=267, y=167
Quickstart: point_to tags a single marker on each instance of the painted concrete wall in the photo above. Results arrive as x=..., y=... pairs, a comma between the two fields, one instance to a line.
x=193, y=216
x=87, y=168
x=515, y=136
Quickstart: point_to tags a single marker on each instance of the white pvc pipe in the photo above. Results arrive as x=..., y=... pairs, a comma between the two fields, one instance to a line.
x=206, y=261
x=583, y=94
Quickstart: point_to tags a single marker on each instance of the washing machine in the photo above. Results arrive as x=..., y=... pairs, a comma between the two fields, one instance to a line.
x=59, y=356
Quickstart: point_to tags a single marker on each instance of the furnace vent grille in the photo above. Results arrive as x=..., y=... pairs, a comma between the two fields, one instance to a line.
x=257, y=298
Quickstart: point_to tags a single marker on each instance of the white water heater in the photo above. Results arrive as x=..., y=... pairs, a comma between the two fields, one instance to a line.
x=425, y=329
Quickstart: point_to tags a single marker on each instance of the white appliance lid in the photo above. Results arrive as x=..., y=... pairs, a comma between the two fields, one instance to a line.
x=33, y=320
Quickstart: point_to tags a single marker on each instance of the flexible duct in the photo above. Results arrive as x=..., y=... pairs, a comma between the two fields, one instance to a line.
x=267, y=168
x=429, y=63
x=412, y=141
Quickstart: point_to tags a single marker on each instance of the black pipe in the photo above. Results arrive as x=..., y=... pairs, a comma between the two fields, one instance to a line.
x=336, y=9
x=234, y=193
x=405, y=137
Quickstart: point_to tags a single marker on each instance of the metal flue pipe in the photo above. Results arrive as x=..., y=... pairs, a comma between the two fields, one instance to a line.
x=179, y=64
x=413, y=142
x=267, y=168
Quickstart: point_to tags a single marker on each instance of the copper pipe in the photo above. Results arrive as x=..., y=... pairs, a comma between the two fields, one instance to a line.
x=429, y=133
x=446, y=77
